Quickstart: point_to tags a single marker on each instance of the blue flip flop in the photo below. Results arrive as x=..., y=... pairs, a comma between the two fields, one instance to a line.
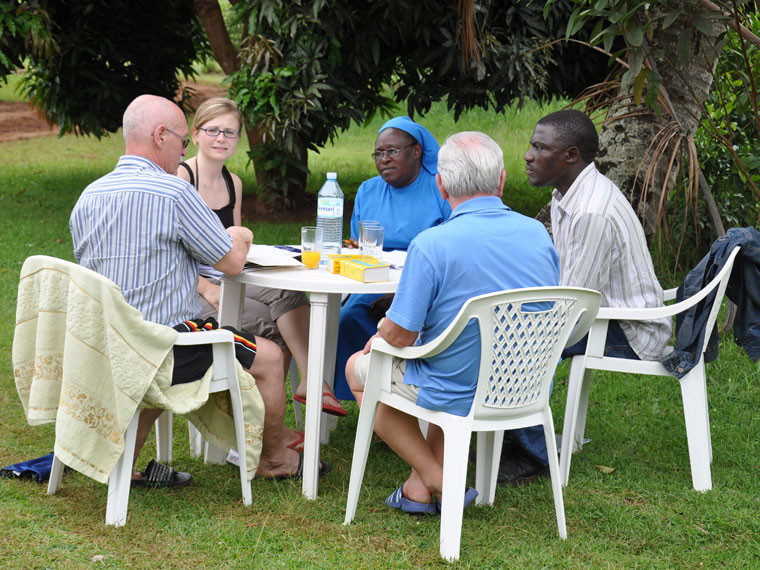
x=469, y=496
x=470, y=493
x=396, y=500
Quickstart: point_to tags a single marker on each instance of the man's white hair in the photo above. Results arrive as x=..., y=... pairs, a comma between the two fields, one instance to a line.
x=470, y=163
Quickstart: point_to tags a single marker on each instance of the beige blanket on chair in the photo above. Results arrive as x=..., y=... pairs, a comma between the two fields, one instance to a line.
x=85, y=359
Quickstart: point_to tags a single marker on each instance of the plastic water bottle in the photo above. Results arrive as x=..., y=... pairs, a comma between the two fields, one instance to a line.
x=330, y=214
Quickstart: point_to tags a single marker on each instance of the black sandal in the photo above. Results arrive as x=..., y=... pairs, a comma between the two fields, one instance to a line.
x=157, y=475
x=324, y=468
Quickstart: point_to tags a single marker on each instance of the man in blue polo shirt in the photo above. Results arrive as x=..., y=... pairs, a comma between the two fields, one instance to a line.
x=482, y=248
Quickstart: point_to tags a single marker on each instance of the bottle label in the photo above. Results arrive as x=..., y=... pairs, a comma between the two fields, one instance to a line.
x=330, y=207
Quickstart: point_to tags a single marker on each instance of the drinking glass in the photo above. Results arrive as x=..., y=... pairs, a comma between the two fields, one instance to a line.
x=364, y=225
x=311, y=246
x=373, y=241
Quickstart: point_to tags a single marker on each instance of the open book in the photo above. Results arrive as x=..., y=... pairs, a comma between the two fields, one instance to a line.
x=271, y=256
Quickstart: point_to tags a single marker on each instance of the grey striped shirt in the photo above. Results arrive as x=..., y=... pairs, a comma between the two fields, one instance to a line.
x=601, y=246
x=146, y=230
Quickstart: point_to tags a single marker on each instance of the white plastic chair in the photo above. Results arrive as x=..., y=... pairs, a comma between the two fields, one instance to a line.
x=200, y=447
x=693, y=384
x=225, y=378
x=519, y=352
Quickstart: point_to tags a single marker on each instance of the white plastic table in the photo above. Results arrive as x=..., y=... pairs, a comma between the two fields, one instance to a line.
x=325, y=290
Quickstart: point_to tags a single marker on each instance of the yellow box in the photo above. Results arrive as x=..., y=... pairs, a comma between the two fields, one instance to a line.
x=365, y=271
x=334, y=259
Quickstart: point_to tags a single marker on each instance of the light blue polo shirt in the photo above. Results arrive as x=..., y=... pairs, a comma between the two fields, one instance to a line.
x=484, y=247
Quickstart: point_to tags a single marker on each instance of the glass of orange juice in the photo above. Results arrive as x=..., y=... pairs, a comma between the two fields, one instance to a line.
x=311, y=246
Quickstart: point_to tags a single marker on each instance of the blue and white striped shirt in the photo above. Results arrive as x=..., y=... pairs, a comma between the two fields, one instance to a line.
x=147, y=230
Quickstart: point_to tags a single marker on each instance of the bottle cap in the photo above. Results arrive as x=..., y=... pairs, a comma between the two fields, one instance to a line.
x=332, y=175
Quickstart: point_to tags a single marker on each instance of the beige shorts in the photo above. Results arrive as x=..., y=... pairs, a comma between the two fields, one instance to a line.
x=408, y=391
x=261, y=309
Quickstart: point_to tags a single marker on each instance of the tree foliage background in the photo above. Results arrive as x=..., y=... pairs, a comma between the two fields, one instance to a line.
x=304, y=70
x=87, y=59
x=730, y=121
x=311, y=68
x=681, y=123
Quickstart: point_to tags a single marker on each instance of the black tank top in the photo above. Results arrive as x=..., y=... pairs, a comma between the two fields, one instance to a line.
x=225, y=212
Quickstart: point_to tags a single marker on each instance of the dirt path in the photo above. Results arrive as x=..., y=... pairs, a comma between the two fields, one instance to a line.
x=20, y=121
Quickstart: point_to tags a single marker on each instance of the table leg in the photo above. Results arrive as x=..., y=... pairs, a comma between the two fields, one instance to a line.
x=316, y=365
x=231, y=300
x=331, y=336
x=331, y=342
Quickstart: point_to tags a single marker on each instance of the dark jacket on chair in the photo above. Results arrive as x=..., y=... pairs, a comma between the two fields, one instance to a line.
x=743, y=290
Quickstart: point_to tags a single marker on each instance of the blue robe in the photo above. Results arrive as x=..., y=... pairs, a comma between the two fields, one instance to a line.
x=403, y=212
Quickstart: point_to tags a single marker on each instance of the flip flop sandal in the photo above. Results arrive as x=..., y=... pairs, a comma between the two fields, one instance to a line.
x=470, y=493
x=326, y=408
x=157, y=475
x=323, y=470
x=396, y=500
x=297, y=445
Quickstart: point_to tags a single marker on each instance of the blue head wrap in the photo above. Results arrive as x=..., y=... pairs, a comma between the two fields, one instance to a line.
x=421, y=135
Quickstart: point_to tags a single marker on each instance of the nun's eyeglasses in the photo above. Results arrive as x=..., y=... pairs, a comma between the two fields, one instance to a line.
x=379, y=155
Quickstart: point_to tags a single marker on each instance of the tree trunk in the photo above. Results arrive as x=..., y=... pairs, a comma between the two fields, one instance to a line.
x=226, y=54
x=224, y=50
x=626, y=139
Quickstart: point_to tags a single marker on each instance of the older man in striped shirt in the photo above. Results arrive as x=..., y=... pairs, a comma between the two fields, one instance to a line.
x=601, y=246
x=146, y=229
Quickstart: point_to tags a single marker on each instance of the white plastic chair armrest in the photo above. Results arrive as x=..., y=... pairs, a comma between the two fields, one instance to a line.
x=669, y=294
x=647, y=314
x=205, y=337
x=408, y=352
x=457, y=325
x=435, y=346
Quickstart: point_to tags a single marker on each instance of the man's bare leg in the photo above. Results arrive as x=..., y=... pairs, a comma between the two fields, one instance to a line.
x=414, y=487
x=356, y=387
x=402, y=434
x=276, y=458
x=147, y=418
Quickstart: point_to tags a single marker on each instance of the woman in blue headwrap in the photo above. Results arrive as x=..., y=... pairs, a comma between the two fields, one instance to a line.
x=405, y=200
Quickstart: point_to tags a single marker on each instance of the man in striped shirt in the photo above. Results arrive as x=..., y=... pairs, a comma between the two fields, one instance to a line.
x=600, y=240
x=601, y=246
x=146, y=229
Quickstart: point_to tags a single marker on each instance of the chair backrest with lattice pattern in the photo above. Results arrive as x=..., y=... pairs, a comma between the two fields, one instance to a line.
x=522, y=334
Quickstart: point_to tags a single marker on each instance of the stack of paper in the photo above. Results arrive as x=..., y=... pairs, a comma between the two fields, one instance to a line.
x=271, y=256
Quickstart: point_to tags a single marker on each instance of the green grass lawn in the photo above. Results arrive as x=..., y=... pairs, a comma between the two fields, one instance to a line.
x=644, y=514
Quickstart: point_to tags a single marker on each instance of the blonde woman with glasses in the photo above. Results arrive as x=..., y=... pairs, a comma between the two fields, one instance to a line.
x=277, y=316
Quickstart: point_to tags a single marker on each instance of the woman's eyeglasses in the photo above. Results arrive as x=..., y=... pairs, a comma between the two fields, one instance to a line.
x=378, y=155
x=214, y=132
